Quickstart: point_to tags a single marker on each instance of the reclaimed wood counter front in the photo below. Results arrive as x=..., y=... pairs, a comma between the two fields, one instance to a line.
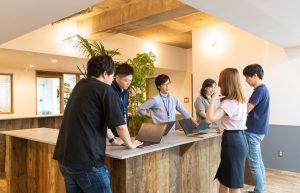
x=179, y=164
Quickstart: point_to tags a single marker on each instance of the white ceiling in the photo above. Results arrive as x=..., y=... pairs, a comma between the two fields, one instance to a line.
x=41, y=61
x=274, y=20
x=20, y=17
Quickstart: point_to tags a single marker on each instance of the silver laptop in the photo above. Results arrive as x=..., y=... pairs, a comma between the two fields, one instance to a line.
x=150, y=134
x=191, y=130
x=169, y=126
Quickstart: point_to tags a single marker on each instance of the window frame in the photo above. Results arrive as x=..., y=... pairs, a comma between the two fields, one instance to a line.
x=60, y=75
x=11, y=94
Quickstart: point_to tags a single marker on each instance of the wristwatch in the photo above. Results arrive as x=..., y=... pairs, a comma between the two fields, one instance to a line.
x=111, y=140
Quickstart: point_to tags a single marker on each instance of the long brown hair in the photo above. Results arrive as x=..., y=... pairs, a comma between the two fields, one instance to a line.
x=230, y=84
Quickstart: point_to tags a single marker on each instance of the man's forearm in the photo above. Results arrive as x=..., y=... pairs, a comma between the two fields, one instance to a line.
x=125, y=136
x=109, y=134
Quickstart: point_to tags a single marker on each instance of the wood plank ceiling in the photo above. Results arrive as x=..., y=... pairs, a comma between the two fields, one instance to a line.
x=165, y=21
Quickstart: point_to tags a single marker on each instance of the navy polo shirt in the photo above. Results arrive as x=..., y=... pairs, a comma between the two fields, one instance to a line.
x=123, y=96
x=258, y=118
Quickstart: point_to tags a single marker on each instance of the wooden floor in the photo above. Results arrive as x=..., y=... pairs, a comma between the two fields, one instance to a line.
x=277, y=182
x=280, y=182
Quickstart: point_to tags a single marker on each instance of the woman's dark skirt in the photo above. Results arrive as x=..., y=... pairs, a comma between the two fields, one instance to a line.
x=233, y=156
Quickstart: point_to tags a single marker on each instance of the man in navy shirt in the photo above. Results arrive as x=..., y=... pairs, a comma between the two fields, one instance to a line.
x=123, y=78
x=257, y=123
x=81, y=142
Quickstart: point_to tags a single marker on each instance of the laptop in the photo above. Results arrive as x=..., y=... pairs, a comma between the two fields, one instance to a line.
x=169, y=126
x=191, y=130
x=150, y=134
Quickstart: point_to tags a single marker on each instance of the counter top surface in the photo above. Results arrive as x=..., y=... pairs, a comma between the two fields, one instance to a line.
x=11, y=117
x=44, y=135
x=49, y=136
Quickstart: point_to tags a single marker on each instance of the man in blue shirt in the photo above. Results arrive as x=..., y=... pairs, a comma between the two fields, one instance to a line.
x=258, y=108
x=163, y=106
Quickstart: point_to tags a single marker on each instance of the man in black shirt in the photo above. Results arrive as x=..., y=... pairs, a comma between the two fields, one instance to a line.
x=81, y=143
x=123, y=78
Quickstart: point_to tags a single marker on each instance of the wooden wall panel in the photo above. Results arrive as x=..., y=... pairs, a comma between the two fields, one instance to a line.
x=188, y=168
x=31, y=169
x=24, y=123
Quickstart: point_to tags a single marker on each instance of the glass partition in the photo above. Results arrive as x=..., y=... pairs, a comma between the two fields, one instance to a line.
x=69, y=83
x=6, y=93
x=48, y=96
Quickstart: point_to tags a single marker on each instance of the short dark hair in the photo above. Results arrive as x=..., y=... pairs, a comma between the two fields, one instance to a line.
x=124, y=70
x=161, y=79
x=207, y=83
x=253, y=69
x=97, y=65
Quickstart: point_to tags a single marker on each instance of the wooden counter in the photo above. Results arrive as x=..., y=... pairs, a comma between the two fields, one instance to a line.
x=179, y=164
x=16, y=123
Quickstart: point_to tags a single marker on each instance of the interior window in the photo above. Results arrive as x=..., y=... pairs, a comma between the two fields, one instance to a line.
x=48, y=96
x=69, y=83
x=53, y=91
x=6, y=93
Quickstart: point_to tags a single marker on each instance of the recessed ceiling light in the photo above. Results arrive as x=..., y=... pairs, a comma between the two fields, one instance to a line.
x=53, y=60
x=31, y=66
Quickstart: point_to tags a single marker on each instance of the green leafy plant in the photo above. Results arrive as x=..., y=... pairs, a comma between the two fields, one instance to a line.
x=90, y=48
x=143, y=65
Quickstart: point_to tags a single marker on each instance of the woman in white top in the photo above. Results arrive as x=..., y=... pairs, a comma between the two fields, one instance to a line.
x=232, y=114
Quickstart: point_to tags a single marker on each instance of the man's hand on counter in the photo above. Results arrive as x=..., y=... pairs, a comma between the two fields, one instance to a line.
x=125, y=136
x=136, y=143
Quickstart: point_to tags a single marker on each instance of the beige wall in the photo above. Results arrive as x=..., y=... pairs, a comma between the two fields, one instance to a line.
x=24, y=92
x=167, y=56
x=173, y=61
x=220, y=46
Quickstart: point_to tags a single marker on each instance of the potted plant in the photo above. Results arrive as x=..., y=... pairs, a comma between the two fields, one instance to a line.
x=143, y=65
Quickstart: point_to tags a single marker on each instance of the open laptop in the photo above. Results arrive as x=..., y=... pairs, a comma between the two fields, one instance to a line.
x=191, y=130
x=150, y=134
x=169, y=126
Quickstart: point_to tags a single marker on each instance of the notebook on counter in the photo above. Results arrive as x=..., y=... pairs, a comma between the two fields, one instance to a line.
x=191, y=130
x=151, y=134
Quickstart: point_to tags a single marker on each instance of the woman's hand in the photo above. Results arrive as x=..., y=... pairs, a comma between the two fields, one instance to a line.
x=217, y=95
x=219, y=130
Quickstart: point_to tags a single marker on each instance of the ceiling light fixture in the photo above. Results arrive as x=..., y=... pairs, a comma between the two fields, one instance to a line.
x=53, y=60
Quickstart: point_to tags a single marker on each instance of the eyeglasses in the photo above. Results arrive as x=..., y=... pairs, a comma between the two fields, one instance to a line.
x=166, y=84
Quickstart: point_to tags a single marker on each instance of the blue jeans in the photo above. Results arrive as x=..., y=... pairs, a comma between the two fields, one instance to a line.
x=255, y=161
x=94, y=181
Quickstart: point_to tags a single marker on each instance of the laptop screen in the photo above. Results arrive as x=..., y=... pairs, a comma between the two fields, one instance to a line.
x=189, y=127
x=169, y=126
x=151, y=132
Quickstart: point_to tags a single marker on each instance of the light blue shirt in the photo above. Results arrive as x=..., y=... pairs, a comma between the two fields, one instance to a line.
x=162, y=105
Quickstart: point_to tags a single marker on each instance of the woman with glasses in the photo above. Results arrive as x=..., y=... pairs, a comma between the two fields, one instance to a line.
x=202, y=102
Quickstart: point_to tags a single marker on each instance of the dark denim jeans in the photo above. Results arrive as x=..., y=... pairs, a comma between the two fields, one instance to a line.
x=94, y=181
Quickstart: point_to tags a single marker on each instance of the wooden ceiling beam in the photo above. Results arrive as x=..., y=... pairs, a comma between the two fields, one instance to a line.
x=129, y=17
